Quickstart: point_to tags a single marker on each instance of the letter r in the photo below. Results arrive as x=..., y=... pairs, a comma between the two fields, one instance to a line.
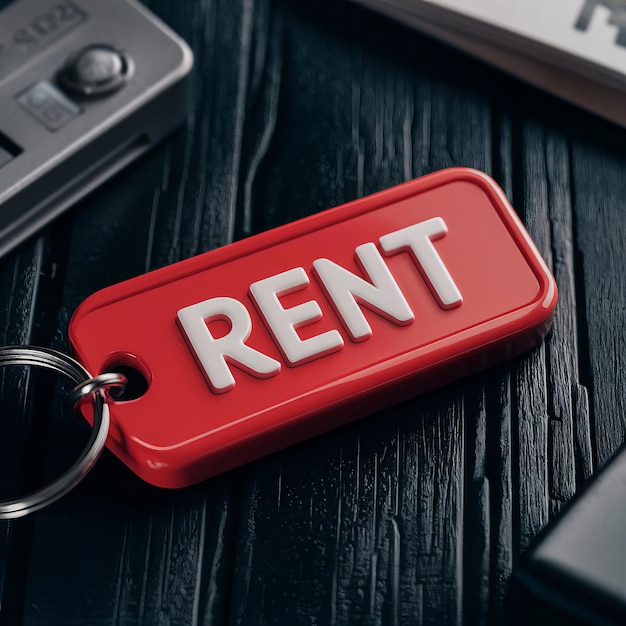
x=214, y=355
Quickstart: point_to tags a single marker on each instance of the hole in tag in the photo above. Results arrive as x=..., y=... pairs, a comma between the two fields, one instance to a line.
x=137, y=384
x=134, y=370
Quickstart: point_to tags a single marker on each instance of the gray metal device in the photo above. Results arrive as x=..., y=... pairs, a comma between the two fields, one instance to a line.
x=86, y=86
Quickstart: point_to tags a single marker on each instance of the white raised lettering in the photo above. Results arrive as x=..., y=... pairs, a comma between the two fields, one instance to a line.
x=214, y=355
x=284, y=322
x=347, y=290
x=418, y=239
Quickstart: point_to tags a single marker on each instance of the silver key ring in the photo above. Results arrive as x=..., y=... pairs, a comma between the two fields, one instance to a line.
x=97, y=389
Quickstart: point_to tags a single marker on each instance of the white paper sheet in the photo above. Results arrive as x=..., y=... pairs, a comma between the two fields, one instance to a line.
x=592, y=76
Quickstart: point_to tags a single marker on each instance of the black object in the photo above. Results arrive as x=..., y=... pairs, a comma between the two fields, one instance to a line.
x=577, y=568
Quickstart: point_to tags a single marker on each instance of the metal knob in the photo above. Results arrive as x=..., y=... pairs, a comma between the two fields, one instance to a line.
x=96, y=70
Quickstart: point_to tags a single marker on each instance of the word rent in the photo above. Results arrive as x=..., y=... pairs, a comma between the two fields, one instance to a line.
x=346, y=291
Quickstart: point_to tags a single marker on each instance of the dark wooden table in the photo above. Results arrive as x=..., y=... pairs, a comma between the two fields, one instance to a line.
x=417, y=515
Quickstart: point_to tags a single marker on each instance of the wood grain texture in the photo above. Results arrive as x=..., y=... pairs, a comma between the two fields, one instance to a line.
x=416, y=515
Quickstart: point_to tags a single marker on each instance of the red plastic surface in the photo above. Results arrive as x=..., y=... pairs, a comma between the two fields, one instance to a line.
x=182, y=430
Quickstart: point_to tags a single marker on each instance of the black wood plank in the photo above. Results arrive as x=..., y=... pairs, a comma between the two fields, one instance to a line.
x=142, y=555
x=18, y=278
x=415, y=515
x=394, y=503
x=598, y=184
x=30, y=283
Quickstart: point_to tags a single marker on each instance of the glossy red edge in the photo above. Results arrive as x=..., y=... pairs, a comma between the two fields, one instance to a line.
x=403, y=377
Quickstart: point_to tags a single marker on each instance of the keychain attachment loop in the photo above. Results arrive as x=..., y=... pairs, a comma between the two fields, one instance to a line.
x=110, y=383
x=97, y=388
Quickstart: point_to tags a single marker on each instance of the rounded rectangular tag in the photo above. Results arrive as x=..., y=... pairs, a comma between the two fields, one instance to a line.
x=257, y=345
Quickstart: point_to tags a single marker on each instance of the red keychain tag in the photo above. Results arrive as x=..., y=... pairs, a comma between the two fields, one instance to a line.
x=260, y=344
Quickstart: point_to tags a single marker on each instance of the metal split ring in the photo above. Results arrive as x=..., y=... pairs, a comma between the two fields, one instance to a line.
x=97, y=388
